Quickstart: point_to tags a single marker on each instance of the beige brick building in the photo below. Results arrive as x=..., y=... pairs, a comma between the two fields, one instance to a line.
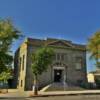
x=69, y=64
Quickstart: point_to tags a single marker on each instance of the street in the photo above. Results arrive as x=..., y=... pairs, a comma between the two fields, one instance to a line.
x=79, y=97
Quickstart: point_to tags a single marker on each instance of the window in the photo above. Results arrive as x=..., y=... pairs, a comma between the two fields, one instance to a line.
x=79, y=59
x=20, y=61
x=58, y=56
x=21, y=83
x=62, y=57
x=78, y=62
x=23, y=62
x=65, y=57
x=54, y=57
x=78, y=66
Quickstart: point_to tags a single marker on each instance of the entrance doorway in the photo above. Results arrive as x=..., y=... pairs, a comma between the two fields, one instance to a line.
x=57, y=75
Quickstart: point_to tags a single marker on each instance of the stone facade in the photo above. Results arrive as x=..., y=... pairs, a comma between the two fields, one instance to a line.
x=69, y=64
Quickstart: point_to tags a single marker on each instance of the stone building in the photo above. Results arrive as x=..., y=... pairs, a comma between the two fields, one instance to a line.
x=69, y=64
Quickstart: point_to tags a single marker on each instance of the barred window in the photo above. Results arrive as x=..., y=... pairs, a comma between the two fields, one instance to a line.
x=79, y=59
x=78, y=63
x=60, y=56
x=78, y=66
x=21, y=83
x=20, y=62
x=23, y=62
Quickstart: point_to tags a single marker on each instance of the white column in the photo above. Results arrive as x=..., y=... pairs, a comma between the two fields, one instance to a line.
x=64, y=80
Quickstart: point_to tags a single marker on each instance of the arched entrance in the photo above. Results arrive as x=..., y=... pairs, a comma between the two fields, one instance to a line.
x=59, y=72
x=57, y=75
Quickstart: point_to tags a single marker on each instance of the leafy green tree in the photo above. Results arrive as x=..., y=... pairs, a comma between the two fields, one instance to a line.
x=40, y=62
x=8, y=33
x=4, y=76
x=94, y=48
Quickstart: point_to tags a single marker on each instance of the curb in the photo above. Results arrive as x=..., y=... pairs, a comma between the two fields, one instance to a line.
x=50, y=95
x=71, y=94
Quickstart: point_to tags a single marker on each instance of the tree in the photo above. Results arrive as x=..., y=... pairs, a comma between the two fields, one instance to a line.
x=4, y=76
x=94, y=48
x=8, y=33
x=40, y=62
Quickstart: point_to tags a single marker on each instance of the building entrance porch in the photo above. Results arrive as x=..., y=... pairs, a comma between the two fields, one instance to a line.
x=57, y=75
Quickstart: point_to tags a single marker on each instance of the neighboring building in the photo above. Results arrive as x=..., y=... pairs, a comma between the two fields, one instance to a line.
x=69, y=63
x=94, y=78
x=90, y=77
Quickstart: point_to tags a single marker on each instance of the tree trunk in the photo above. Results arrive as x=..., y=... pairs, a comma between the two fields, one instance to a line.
x=35, y=85
x=6, y=82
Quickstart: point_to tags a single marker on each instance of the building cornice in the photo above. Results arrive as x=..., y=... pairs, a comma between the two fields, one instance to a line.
x=53, y=43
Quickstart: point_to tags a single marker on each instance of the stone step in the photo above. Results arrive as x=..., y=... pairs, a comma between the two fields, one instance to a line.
x=60, y=87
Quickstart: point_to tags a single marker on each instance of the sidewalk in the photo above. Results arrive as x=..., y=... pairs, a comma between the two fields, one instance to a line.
x=14, y=95
x=28, y=94
x=61, y=93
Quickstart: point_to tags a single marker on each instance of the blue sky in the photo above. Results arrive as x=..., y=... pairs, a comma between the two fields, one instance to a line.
x=74, y=20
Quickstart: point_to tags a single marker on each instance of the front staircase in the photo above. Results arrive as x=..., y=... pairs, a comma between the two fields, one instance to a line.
x=61, y=87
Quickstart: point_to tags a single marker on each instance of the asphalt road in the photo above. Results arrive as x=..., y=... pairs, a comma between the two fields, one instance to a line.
x=80, y=97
